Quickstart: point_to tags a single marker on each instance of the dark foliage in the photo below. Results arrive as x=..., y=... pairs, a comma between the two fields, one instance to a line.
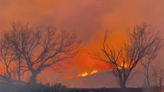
x=152, y=89
x=32, y=88
x=61, y=88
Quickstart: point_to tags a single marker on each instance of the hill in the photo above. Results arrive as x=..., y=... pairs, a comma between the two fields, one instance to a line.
x=100, y=80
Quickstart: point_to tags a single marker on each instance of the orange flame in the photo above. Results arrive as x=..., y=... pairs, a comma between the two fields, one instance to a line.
x=85, y=74
x=125, y=66
x=94, y=71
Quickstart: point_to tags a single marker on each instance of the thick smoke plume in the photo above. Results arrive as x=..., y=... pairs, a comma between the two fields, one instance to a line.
x=88, y=18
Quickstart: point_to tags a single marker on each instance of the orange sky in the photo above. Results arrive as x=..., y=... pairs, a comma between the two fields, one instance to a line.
x=88, y=18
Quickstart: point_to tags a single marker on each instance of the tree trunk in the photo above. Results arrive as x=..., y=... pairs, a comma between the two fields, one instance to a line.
x=123, y=84
x=33, y=78
x=19, y=66
x=19, y=75
x=19, y=71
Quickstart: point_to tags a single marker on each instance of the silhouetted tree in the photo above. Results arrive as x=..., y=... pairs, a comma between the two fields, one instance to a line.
x=9, y=60
x=157, y=76
x=143, y=40
x=6, y=58
x=153, y=72
x=41, y=47
x=152, y=69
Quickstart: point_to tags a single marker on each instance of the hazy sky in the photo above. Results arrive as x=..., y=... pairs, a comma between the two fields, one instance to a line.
x=88, y=18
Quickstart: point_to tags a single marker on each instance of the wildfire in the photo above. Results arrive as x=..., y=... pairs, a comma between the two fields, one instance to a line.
x=82, y=74
x=123, y=65
x=85, y=74
x=94, y=71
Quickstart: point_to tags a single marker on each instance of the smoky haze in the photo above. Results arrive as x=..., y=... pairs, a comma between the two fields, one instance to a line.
x=88, y=18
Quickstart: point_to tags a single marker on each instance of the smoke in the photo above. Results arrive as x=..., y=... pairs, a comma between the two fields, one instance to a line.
x=85, y=17
x=88, y=18
x=81, y=16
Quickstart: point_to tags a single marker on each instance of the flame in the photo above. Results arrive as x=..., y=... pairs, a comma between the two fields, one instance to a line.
x=123, y=65
x=84, y=74
x=87, y=73
x=94, y=71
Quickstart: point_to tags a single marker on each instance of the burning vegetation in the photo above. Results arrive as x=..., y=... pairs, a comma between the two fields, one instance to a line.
x=84, y=74
x=88, y=73
x=34, y=50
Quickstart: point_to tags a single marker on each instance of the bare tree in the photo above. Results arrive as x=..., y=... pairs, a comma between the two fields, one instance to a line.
x=157, y=76
x=154, y=74
x=151, y=69
x=19, y=70
x=143, y=40
x=9, y=59
x=6, y=58
x=41, y=47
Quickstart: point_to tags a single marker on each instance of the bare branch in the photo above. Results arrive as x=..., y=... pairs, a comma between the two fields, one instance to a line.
x=40, y=48
x=143, y=41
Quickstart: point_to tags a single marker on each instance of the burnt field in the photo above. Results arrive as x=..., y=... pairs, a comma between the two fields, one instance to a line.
x=116, y=90
x=61, y=88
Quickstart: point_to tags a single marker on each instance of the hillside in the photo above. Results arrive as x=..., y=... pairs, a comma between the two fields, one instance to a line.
x=100, y=80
